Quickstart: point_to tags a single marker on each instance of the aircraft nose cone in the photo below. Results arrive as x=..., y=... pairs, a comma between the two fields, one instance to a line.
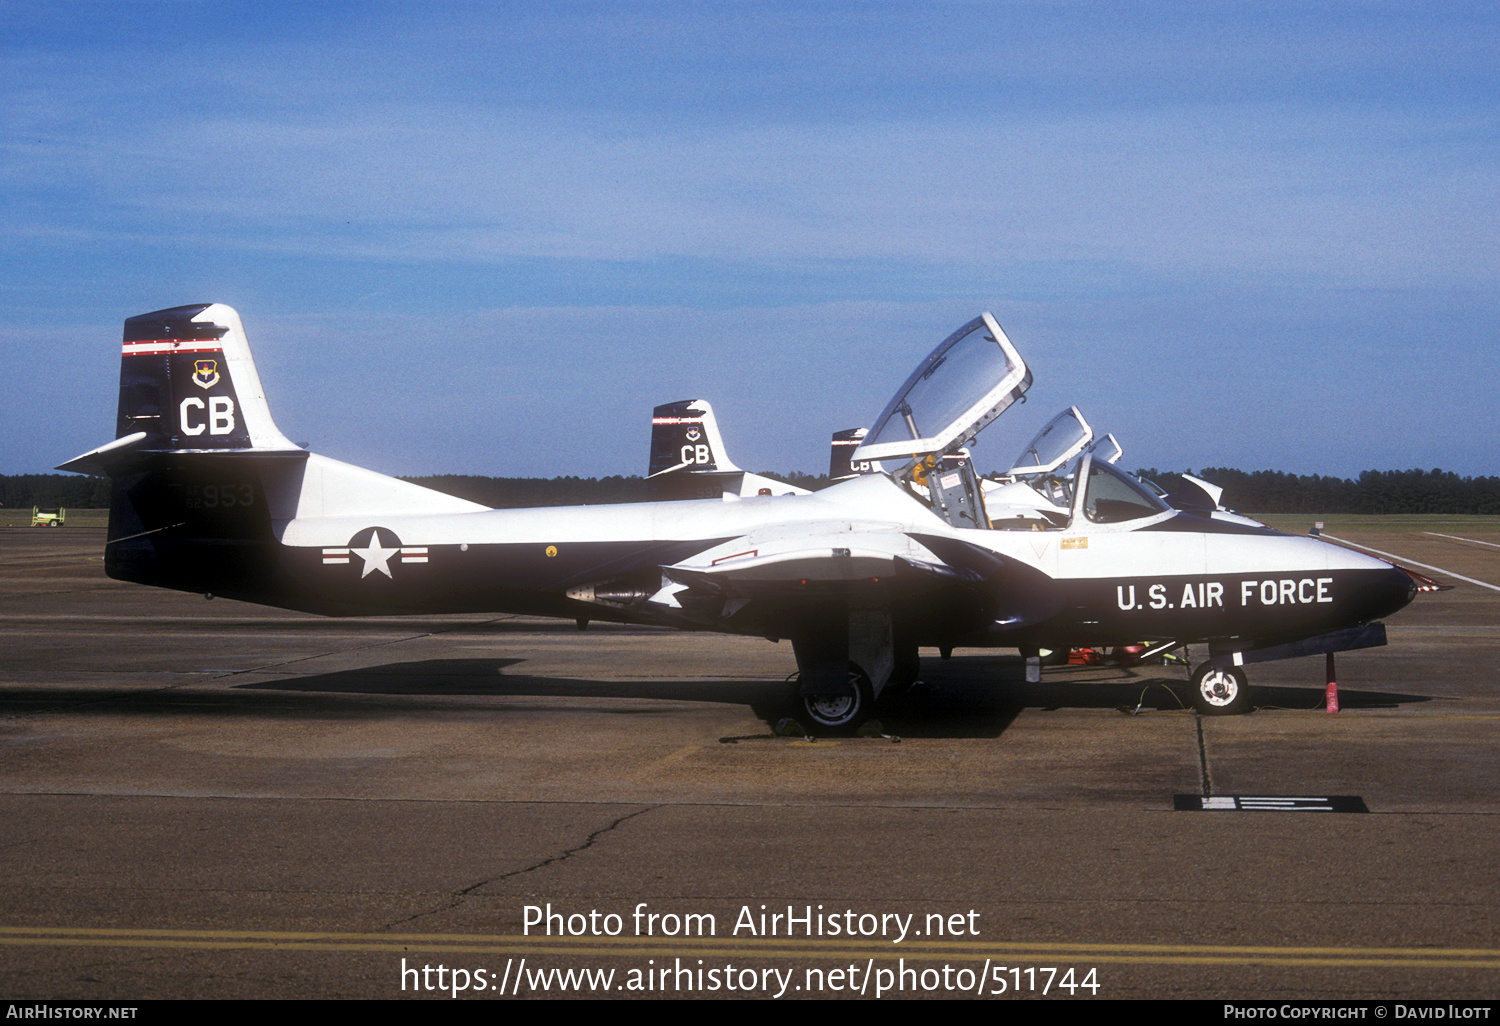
x=1384, y=592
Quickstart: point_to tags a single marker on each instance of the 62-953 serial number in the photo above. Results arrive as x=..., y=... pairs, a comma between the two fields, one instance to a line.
x=214, y=496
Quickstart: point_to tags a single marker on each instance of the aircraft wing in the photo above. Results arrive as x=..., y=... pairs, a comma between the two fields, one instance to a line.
x=768, y=582
x=837, y=554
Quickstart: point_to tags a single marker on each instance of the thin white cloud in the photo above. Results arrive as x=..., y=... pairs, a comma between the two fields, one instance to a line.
x=1373, y=199
x=1213, y=194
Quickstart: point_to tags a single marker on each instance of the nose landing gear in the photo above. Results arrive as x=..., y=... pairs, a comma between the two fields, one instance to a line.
x=1220, y=691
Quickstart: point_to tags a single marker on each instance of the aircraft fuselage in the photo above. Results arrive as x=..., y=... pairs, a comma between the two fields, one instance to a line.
x=1185, y=577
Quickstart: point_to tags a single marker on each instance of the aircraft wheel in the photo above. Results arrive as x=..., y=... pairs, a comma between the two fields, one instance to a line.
x=1053, y=656
x=838, y=712
x=1220, y=692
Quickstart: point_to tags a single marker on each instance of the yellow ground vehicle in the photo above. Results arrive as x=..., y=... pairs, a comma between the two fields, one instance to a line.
x=48, y=517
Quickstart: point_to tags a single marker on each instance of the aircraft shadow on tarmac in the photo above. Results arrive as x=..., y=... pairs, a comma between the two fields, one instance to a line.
x=967, y=697
x=964, y=697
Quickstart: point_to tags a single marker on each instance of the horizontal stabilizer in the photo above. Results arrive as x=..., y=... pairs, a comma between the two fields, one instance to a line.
x=99, y=461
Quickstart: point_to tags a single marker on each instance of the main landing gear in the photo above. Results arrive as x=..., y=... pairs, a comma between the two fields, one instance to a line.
x=1220, y=691
x=839, y=712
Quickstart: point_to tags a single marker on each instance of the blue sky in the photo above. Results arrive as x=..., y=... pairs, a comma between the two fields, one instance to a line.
x=488, y=238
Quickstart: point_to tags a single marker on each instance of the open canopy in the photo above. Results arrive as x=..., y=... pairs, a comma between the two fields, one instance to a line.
x=966, y=382
x=1107, y=449
x=1063, y=438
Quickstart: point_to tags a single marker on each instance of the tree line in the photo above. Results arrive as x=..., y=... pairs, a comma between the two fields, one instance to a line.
x=1260, y=491
x=76, y=491
x=50, y=491
x=1374, y=491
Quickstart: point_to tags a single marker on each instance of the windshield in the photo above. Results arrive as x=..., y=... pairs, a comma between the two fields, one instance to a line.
x=1111, y=497
x=966, y=382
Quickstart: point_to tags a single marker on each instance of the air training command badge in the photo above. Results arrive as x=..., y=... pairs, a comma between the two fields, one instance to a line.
x=205, y=373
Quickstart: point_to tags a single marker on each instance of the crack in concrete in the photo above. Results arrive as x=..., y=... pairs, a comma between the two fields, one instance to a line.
x=588, y=842
x=1208, y=791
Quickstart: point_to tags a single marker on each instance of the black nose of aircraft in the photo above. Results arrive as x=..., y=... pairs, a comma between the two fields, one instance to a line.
x=1383, y=592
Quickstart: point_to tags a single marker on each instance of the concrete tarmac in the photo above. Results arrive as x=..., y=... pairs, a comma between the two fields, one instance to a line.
x=210, y=799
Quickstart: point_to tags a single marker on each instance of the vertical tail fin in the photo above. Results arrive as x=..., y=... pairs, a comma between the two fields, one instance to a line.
x=685, y=436
x=688, y=460
x=188, y=382
x=195, y=449
x=840, y=466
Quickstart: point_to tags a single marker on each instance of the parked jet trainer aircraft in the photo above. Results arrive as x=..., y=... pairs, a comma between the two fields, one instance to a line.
x=208, y=496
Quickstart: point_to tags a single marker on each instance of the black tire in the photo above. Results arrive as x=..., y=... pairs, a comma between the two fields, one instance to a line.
x=1220, y=692
x=842, y=712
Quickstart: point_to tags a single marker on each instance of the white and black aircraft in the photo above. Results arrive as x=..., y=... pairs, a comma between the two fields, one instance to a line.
x=208, y=496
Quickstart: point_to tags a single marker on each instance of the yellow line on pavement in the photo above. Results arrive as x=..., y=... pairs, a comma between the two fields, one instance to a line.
x=750, y=948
